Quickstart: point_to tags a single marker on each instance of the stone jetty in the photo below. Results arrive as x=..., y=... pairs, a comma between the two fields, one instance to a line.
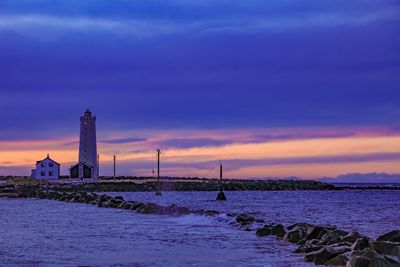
x=203, y=185
x=321, y=244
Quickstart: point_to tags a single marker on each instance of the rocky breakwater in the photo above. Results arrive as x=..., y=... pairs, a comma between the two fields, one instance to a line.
x=329, y=246
x=9, y=191
x=202, y=185
x=118, y=202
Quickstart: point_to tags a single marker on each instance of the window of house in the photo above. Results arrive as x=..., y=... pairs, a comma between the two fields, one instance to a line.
x=51, y=164
x=42, y=173
x=43, y=164
x=51, y=173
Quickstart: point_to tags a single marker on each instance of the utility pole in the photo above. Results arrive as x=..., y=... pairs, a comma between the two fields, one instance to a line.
x=98, y=166
x=115, y=159
x=158, y=193
x=221, y=195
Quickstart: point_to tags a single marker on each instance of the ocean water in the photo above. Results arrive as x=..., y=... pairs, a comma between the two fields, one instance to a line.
x=51, y=233
x=371, y=212
x=367, y=184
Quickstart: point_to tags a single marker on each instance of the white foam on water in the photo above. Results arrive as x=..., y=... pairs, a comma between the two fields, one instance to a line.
x=193, y=219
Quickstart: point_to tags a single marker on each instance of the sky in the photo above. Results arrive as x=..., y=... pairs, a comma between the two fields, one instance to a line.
x=268, y=88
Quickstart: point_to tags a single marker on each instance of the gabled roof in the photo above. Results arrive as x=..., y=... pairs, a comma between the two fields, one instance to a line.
x=85, y=164
x=47, y=158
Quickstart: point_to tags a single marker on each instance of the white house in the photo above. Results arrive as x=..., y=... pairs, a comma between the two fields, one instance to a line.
x=46, y=169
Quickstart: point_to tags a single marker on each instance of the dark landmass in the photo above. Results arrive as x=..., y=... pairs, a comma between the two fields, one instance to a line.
x=144, y=185
x=350, y=178
x=191, y=185
x=148, y=184
x=381, y=178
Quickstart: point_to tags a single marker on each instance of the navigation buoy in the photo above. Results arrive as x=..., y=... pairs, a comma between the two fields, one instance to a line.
x=221, y=194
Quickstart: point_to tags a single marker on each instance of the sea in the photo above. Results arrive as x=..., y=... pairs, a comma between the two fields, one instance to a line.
x=37, y=232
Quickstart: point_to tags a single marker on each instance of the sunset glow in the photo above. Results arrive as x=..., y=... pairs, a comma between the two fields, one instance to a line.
x=307, y=157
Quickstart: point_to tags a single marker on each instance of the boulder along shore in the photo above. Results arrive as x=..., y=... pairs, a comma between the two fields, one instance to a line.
x=321, y=244
x=199, y=185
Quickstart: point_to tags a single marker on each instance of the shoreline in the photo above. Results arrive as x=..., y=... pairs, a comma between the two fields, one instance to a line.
x=321, y=244
x=179, y=184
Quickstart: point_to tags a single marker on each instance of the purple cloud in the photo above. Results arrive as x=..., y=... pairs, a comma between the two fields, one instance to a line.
x=193, y=142
x=124, y=140
x=296, y=136
x=358, y=158
x=233, y=164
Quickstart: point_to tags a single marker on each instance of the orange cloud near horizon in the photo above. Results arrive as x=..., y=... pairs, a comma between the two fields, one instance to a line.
x=253, y=157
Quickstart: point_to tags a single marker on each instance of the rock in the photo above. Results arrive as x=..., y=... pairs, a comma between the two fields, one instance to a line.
x=211, y=212
x=206, y=212
x=369, y=253
x=310, y=256
x=358, y=261
x=136, y=205
x=352, y=237
x=245, y=219
x=105, y=204
x=384, y=261
x=339, y=260
x=393, y=236
x=333, y=237
x=305, y=226
x=151, y=208
x=382, y=247
x=93, y=202
x=10, y=195
x=171, y=209
x=295, y=235
x=314, y=242
x=325, y=254
x=360, y=244
x=74, y=199
x=119, y=198
x=105, y=197
x=175, y=210
x=90, y=198
x=316, y=232
x=301, y=242
x=114, y=203
x=103, y=201
x=53, y=195
x=307, y=248
x=263, y=231
x=278, y=230
x=125, y=205
x=395, y=252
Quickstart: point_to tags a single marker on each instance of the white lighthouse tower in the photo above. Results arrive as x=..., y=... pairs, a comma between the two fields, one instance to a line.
x=88, y=165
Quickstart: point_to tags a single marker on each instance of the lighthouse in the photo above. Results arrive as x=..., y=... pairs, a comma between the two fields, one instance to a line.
x=87, y=166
